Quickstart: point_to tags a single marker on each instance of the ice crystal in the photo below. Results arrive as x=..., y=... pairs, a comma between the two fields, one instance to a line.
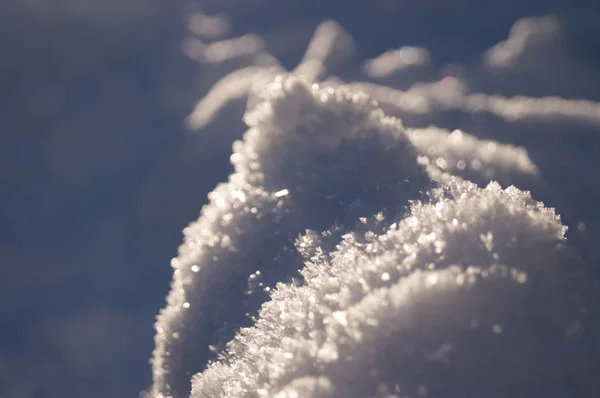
x=351, y=256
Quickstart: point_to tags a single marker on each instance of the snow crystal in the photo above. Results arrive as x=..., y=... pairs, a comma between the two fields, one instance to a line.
x=313, y=158
x=365, y=320
x=350, y=256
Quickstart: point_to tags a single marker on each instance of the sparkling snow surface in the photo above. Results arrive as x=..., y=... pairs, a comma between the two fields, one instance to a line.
x=357, y=250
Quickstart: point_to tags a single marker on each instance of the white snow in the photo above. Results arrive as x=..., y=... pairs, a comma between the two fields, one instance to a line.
x=395, y=61
x=425, y=304
x=424, y=270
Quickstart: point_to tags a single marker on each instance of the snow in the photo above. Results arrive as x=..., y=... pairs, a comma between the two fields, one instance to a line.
x=352, y=253
x=100, y=175
x=393, y=62
x=462, y=154
x=312, y=158
x=377, y=309
x=525, y=34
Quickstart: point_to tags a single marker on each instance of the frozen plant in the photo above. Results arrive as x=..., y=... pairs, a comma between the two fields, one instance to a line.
x=351, y=256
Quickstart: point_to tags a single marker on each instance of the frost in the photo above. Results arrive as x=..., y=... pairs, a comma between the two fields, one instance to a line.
x=209, y=26
x=349, y=255
x=233, y=86
x=402, y=315
x=480, y=161
x=313, y=158
x=452, y=93
x=330, y=46
x=395, y=61
x=526, y=34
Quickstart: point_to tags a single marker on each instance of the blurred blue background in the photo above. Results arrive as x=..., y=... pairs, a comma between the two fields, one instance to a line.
x=98, y=174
